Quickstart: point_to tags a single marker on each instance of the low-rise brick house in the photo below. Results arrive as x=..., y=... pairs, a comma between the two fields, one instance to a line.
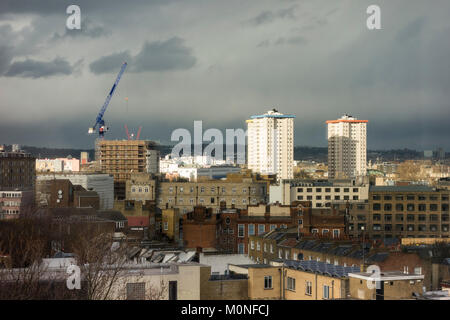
x=323, y=222
x=285, y=248
x=259, y=219
x=264, y=248
x=201, y=228
x=230, y=229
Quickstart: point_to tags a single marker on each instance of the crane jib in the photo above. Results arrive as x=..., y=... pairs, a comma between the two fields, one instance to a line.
x=112, y=89
x=99, y=120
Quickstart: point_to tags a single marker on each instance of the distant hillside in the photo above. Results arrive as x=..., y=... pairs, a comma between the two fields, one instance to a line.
x=318, y=154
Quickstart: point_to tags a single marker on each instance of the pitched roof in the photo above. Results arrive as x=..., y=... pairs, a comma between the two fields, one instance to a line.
x=321, y=267
x=378, y=257
x=307, y=244
x=111, y=215
x=289, y=242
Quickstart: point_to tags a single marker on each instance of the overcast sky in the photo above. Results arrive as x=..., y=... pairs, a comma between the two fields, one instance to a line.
x=222, y=61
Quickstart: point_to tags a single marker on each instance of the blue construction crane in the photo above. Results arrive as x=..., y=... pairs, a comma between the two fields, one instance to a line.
x=102, y=128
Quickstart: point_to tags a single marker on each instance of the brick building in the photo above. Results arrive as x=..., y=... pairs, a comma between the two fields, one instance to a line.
x=201, y=228
x=321, y=222
x=403, y=211
x=13, y=203
x=61, y=193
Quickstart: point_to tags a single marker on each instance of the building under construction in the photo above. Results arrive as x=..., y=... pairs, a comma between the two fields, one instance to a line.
x=121, y=158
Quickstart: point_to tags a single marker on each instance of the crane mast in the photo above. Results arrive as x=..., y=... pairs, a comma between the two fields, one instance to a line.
x=102, y=128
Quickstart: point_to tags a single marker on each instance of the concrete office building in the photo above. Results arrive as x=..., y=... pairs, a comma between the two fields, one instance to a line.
x=321, y=193
x=347, y=149
x=270, y=147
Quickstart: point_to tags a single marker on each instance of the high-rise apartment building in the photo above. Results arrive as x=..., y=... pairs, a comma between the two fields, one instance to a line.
x=121, y=158
x=347, y=149
x=270, y=146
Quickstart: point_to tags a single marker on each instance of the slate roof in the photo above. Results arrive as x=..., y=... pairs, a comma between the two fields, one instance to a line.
x=111, y=215
x=290, y=242
x=307, y=245
x=342, y=250
x=323, y=247
x=378, y=257
x=321, y=267
x=247, y=266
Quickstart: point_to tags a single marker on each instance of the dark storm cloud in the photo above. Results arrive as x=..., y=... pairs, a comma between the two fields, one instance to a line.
x=40, y=69
x=320, y=61
x=154, y=56
x=59, y=6
x=164, y=55
x=270, y=16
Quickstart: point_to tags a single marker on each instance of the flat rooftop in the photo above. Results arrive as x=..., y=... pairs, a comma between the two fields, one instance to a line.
x=410, y=188
x=386, y=276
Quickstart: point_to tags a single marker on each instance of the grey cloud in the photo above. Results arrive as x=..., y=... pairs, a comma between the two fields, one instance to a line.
x=411, y=30
x=263, y=44
x=270, y=16
x=154, y=56
x=58, y=6
x=295, y=40
x=164, y=55
x=6, y=57
x=88, y=29
x=36, y=69
x=291, y=40
x=109, y=63
x=263, y=17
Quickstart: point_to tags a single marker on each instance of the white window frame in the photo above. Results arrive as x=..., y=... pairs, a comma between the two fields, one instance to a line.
x=308, y=288
x=326, y=292
x=268, y=279
x=239, y=230
x=290, y=284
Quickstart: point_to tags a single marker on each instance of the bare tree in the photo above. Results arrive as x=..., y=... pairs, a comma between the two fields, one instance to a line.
x=409, y=170
x=25, y=276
